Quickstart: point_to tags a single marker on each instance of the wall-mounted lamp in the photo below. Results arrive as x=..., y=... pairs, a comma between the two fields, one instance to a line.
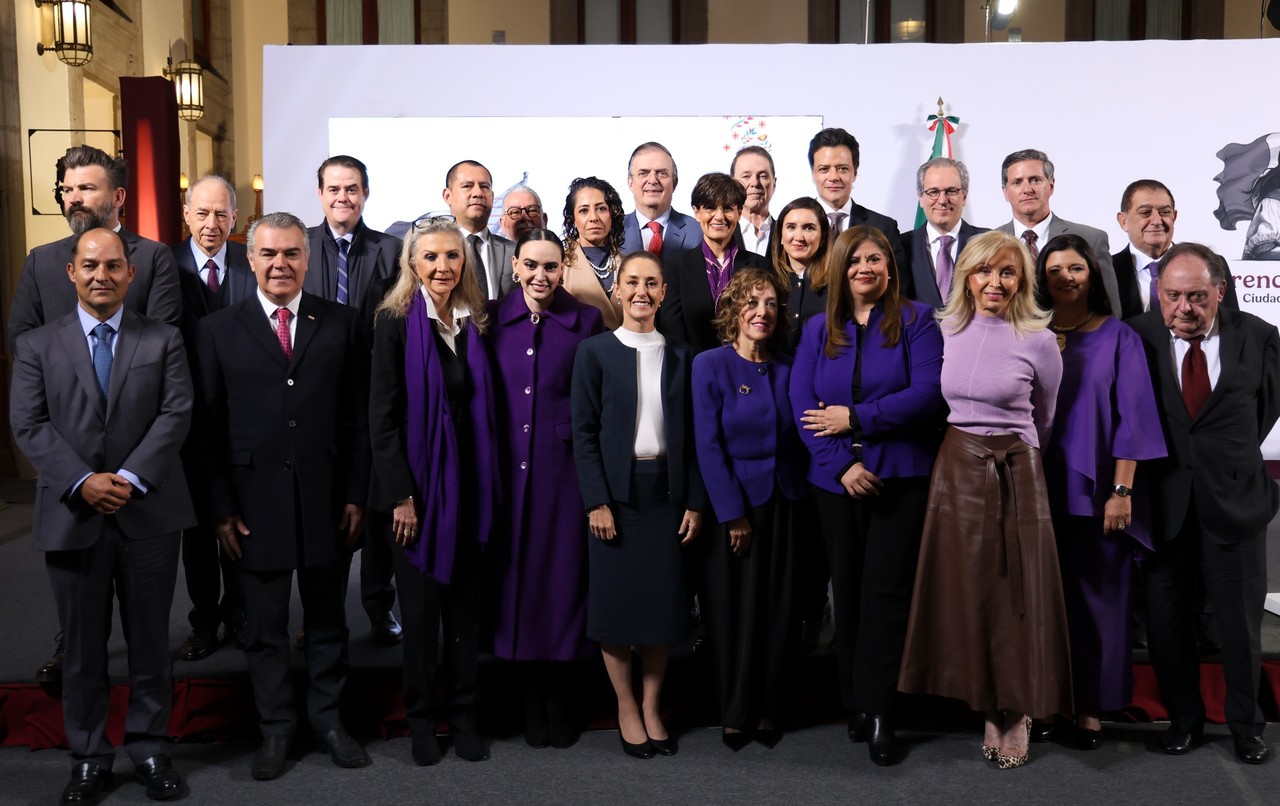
x=910, y=30
x=997, y=14
x=183, y=184
x=257, y=195
x=188, y=83
x=72, y=31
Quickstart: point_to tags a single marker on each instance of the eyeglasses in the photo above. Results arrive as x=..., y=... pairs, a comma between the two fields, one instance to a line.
x=427, y=219
x=933, y=193
x=533, y=211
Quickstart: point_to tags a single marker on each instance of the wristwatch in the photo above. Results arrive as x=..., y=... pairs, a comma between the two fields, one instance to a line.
x=1122, y=491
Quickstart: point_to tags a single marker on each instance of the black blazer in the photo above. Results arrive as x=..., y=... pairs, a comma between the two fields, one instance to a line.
x=287, y=441
x=373, y=255
x=861, y=215
x=919, y=278
x=1217, y=458
x=802, y=303
x=1131, y=297
x=686, y=313
x=604, y=403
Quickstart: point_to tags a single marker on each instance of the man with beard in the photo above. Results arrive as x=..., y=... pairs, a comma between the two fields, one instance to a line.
x=91, y=191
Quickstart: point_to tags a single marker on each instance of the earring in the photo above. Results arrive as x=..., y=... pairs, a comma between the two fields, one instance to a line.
x=515, y=277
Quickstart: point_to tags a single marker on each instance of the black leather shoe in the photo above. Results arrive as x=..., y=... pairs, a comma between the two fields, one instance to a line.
x=88, y=782
x=858, y=727
x=268, y=763
x=236, y=633
x=735, y=741
x=1088, y=739
x=664, y=747
x=880, y=740
x=51, y=671
x=642, y=750
x=1178, y=740
x=344, y=750
x=1041, y=730
x=425, y=749
x=160, y=778
x=386, y=630
x=1251, y=749
x=199, y=645
x=468, y=745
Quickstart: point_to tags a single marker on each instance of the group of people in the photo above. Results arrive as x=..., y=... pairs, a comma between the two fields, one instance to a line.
x=561, y=447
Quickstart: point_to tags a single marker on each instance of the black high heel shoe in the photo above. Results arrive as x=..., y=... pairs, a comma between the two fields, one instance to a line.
x=880, y=740
x=735, y=740
x=664, y=747
x=643, y=750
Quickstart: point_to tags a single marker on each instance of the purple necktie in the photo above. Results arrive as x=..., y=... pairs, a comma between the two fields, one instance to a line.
x=212, y=281
x=946, y=266
x=1153, y=301
x=1030, y=238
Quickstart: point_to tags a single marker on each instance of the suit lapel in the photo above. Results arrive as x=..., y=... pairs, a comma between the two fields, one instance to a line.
x=1151, y=328
x=77, y=348
x=126, y=346
x=259, y=329
x=308, y=321
x=1229, y=359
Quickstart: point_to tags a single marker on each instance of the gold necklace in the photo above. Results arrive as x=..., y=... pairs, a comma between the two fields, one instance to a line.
x=1063, y=331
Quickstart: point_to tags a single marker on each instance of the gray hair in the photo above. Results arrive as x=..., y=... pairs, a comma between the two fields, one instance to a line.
x=231, y=191
x=1023, y=156
x=279, y=221
x=1216, y=264
x=526, y=189
x=942, y=162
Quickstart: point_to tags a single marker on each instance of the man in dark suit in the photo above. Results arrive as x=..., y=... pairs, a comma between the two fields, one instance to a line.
x=1147, y=214
x=653, y=225
x=91, y=192
x=352, y=264
x=834, y=158
x=1026, y=177
x=753, y=168
x=468, y=190
x=100, y=404
x=283, y=389
x=214, y=274
x=942, y=185
x=1217, y=378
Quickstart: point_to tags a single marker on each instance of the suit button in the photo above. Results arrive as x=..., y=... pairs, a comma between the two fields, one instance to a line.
x=290, y=381
x=529, y=351
x=288, y=465
x=293, y=423
x=524, y=465
x=526, y=428
x=528, y=390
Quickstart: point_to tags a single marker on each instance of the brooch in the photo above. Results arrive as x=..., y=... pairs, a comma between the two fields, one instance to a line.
x=535, y=318
x=744, y=389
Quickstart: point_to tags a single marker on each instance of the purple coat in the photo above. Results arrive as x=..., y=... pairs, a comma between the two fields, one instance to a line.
x=539, y=553
x=901, y=410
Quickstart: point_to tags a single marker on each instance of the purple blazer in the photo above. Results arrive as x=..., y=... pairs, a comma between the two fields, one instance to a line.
x=744, y=432
x=902, y=407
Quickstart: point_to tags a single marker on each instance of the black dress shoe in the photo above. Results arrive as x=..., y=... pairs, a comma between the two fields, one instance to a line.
x=468, y=745
x=51, y=671
x=1041, y=730
x=425, y=749
x=236, y=633
x=1088, y=739
x=268, y=763
x=735, y=741
x=1250, y=749
x=160, y=778
x=858, y=727
x=344, y=750
x=88, y=782
x=199, y=645
x=642, y=750
x=880, y=740
x=386, y=630
x=1179, y=740
x=561, y=722
x=769, y=737
x=664, y=747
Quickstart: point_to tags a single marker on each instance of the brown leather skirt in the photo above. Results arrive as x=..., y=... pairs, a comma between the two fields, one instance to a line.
x=988, y=625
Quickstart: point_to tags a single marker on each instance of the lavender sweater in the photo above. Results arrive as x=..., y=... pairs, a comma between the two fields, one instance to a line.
x=999, y=383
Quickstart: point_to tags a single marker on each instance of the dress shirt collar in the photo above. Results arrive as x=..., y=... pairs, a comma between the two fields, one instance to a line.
x=643, y=221
x=458, y=314
x=934, y=233
x=88, y=321
x=220, y=257
x=1041, y=230
x=1210, y=335
x=847, y=209
x=269, y=307
x=1141, y=260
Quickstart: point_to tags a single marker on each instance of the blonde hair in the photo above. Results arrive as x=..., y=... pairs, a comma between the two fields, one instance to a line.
x=466, y=294
x=1024, y=315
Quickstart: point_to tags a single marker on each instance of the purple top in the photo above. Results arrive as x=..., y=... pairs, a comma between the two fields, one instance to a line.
x=718, y=274
x=997, y=382
x=1106, y=411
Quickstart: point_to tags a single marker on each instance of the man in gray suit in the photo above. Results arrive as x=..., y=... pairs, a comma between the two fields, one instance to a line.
x=1026, y=178
x=91, y=192
x=468, y=190
x=652, y=178
x=100, y=404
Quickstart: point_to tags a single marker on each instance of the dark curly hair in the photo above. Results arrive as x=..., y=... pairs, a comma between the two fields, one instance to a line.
x=612, y=241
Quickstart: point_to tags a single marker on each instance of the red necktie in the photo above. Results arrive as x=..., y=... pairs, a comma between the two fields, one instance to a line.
x=1195, y=378
x=212, y=281
x=655, y=241
x=282, y=332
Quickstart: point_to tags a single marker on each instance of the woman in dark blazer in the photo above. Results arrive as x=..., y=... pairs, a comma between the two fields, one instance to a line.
x=696, y=277
x=434, y=470
x=753, y=465
x=798, y=252
x=633, y=444
x=865, y=390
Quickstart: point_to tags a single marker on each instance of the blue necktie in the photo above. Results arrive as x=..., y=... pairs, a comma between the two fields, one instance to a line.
x=343, y=246
x=102, y=356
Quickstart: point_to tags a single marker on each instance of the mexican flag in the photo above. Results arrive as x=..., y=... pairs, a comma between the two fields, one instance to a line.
x=942, y=126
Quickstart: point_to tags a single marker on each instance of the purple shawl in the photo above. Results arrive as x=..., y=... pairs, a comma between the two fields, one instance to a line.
x=432, y=446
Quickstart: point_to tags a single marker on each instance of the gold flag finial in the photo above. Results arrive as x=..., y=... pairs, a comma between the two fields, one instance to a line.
x=940, y=112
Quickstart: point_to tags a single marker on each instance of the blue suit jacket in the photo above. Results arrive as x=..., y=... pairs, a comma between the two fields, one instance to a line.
x=902, y=409
x=919, y=276
x=682, y=232
x=744, y=432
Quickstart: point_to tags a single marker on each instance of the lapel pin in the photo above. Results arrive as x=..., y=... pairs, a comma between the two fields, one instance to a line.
x=744, y=389
x=312, y=318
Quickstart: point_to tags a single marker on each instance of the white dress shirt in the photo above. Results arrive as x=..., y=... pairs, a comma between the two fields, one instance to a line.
x=645, y=233
x=269, y=308
x=1141, y=261
x=757, y=242
x=935, y=242
x=449, y=334
x=1211, y=354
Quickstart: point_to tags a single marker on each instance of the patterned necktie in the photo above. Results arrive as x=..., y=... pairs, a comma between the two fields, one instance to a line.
x=343, y=246
x=482, y=274
x=1030, y=238
x=282, y=332
x=837, y=222
x=1195, y=378
x=655, y=240
x=212, y=280
x=102, y=356
x=946, y=266
x=1153, y=301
